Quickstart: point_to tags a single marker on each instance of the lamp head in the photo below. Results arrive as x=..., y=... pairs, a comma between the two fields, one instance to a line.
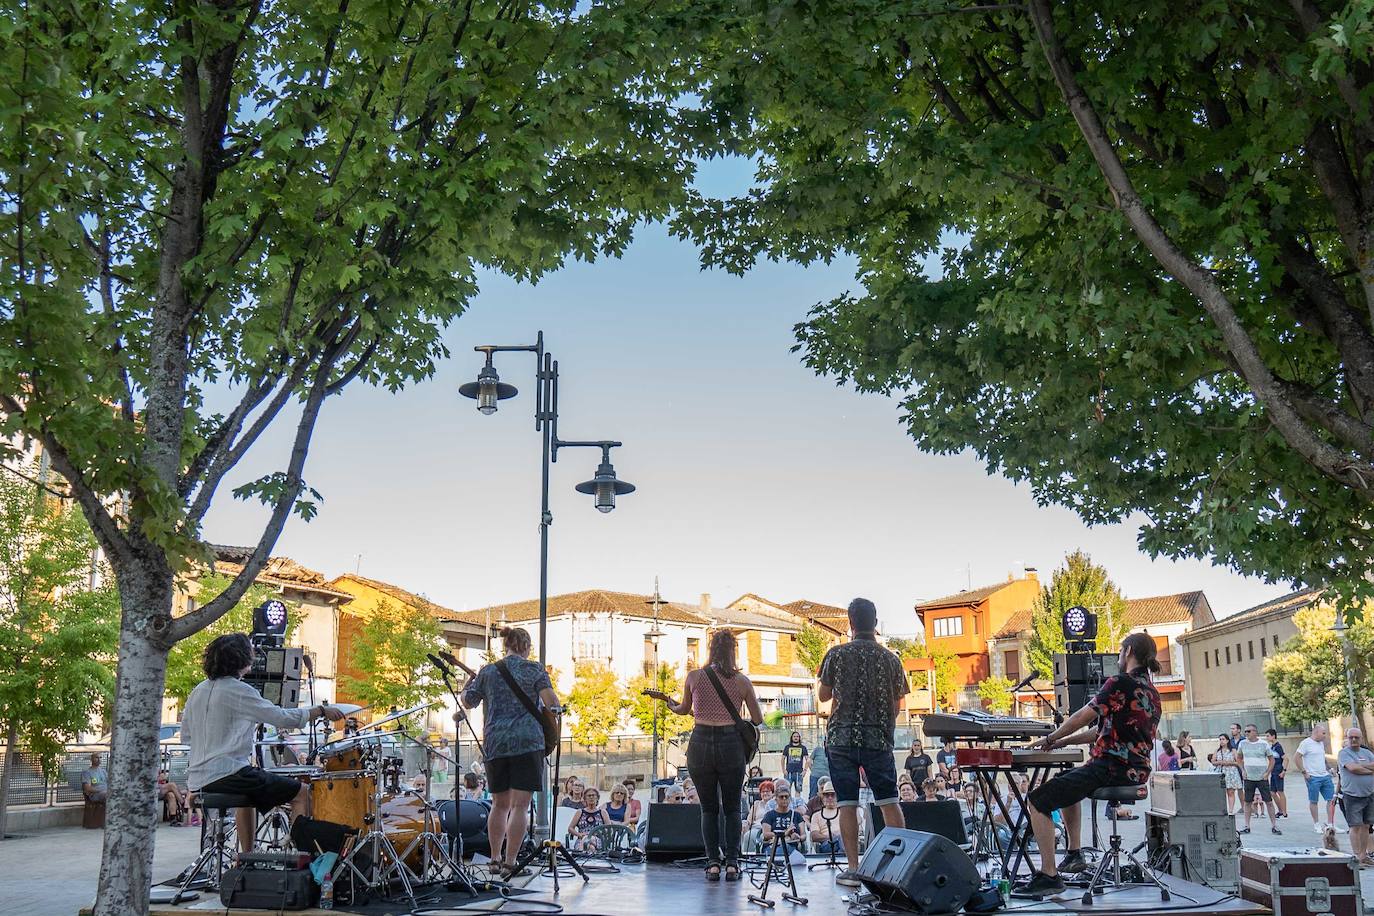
x=604, y=487
x=488, y=389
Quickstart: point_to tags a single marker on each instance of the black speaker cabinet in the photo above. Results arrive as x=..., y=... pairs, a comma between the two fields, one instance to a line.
x=1077, y=677
x=674, y=832
x=920, y=872
x=944, y=818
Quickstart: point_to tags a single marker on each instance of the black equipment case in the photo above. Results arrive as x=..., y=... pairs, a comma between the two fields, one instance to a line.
x=269, y=889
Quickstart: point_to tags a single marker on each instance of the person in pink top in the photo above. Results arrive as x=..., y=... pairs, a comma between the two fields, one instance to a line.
x=715, y=753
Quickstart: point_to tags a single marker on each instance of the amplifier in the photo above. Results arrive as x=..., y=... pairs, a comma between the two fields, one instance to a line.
x=1203, y=848
x=1301, y=882
x=1184, y=792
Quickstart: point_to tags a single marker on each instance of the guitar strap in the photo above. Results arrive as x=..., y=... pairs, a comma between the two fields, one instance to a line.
x=519, y=691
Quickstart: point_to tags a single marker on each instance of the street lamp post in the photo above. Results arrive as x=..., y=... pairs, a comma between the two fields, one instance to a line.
x=604, y=486
x=654, y=635
x=1341, y=631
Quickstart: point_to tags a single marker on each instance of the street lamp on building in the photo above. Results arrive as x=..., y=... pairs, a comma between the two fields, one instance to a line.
x=1341, y=630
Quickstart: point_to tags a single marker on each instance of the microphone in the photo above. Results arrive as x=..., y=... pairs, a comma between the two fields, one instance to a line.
x=1025, y=681
x=437, y=661
x=309, y=665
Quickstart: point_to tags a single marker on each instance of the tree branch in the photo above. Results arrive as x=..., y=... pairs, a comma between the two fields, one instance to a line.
x=1354, y=473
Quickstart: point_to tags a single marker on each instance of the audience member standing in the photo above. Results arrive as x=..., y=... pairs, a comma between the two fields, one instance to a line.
x=1357, y=793
x=1187, y=754
x=867, y=684
x=1276, y=776
x=715, y=752
x=917, y=763
x=1311, y=760
x=797, y=759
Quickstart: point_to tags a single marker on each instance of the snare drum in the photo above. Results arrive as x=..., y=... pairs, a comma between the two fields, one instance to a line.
x=344, y=754
x=303, y=772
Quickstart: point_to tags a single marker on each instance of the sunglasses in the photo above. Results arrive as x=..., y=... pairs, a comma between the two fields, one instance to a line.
x=782, y=795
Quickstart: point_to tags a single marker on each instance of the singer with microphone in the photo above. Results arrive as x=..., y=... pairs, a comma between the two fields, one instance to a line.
x=1120, y=723
x=513, y=741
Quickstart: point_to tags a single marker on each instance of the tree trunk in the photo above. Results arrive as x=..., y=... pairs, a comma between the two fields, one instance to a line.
x=130, y=816
x=7, y=775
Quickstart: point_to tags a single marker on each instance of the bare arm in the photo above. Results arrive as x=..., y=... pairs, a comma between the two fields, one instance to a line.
x=1086, y=736
x=751, y=703
x=685, y=707
x=824, y=693
x=1073, y=724
x=549, y=698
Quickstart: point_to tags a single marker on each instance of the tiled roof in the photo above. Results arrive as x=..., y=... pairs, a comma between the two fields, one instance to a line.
x=592, y=601
x=1140, y=612
x=395, y=591
x=282, y=572
x=814, y=609
x=973, y=596
x=1293, y=601
x=748, y=620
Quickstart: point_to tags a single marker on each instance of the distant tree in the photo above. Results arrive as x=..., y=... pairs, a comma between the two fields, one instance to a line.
x=57, y=634
x=995, y=692
x=907, y=648
x=641, y=708
x=1306, y=677
x=1078, y=582
x=184, y=669
x=389, y=656
x=947, y=679
x=597, y=702
x=812, y=644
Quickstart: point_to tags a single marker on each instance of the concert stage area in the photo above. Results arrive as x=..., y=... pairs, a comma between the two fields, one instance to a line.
x=669, y=889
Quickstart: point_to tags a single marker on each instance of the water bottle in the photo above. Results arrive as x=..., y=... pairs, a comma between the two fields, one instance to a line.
x=327, y=892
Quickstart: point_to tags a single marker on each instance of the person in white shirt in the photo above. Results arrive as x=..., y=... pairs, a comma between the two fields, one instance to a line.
x=1311, y=759
x=218, y=723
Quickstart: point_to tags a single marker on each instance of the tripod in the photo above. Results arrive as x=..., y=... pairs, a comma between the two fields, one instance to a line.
x=790, y=895
x=830, y=838
x=552, y=848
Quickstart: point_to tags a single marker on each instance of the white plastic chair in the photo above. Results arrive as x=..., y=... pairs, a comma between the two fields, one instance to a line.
x=562, y=822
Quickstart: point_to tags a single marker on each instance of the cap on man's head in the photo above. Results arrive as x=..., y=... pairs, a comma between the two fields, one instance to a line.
x=863, y=616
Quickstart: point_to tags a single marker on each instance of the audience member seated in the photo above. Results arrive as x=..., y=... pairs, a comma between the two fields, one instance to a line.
x=617, y=808
x=673, y=795
x=825, y=830
x=636, y=810
x=955, y=781
x=173, y=802
x=588, y=818
x=753, y=824
x=784, y=823
x=906, y=792
x=572, y=793
x=471, y=789
x=942, y=787
x=928, y=790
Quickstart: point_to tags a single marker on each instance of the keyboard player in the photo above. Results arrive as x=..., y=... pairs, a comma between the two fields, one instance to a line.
x=1120, y=723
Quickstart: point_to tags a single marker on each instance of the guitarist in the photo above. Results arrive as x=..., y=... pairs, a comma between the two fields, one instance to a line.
x=716, y=755
x=513, y=740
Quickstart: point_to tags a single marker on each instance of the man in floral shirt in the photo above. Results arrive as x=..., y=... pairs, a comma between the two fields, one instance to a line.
x=1126, y=711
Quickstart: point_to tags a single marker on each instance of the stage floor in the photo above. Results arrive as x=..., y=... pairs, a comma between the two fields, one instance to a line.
x=666, y=888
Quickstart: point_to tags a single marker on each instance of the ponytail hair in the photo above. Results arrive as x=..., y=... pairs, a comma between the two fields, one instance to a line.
x=722, y=653
x=1141, y=647
x=516, y=640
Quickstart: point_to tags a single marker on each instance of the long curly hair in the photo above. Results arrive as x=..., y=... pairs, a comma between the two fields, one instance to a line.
x=722, y=653
x=227, y=655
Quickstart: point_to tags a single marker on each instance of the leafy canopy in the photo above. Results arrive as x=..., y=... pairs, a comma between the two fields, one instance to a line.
x=596, y=702
x=1154, y=303
x=812, y=644
x=1306, y=677
x=948, y=679
x=995, y=692
x=907, y=648
x=1080, y=582
x=387, y=664
x=641, y=708
x=57, y=632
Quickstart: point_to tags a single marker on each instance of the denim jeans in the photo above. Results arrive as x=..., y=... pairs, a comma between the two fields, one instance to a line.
x=715, y=758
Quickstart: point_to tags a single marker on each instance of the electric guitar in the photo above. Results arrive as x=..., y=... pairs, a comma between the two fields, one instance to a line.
x=659, y=695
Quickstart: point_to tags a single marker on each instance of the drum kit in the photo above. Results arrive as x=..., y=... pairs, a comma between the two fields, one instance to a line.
x=357, y=781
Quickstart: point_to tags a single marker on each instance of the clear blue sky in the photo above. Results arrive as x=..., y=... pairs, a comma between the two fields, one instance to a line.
x=754, y=475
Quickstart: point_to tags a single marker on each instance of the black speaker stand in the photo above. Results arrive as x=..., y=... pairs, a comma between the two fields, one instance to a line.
x=790, y=895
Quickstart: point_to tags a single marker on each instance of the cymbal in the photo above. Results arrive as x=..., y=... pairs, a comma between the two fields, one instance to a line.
x=347, y=709
x=399, y=714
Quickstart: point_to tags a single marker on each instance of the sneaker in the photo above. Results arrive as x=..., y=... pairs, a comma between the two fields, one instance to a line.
x=848, y=878
x=1039, y=885
x=1276, y=831
x=195, y=820
x=1073, y=863
x=1243, y=830
x=1319, y=827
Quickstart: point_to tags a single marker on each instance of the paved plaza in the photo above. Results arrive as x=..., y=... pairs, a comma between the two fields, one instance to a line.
x=54, y=872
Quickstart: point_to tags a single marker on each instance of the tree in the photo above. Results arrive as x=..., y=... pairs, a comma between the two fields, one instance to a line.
x=947, y=679
x=1306, y=677
x=255, y=205
x=184, y=660
x=596, y=702
x=995, y=692
x=1078, y=582
x=390, y=657
x=907, y=648
x=1151, y=221
x=641, y=708
x=812, y=644
x=57, y=627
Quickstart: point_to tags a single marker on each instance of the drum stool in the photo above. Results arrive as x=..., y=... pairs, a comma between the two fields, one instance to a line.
x=213, y=839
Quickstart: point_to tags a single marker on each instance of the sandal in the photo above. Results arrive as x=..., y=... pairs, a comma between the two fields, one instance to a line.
x=713, y=871
x=732, y=871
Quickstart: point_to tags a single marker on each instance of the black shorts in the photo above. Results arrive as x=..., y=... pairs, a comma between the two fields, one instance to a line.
x=265, y=790
x=523, y=772
x=1072, y=787
x=1257, y=785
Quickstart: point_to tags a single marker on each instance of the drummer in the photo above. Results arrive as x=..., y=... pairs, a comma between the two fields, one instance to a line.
x=218, y=723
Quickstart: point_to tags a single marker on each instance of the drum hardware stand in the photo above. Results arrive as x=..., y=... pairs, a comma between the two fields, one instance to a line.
x=790, y=895
x=830, y=838
x=381, y=850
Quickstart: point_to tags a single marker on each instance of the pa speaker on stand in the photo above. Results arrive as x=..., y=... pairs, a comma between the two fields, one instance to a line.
x=920, y=872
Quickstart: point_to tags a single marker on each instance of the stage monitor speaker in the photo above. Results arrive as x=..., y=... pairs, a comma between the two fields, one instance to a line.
x=466, y=819
x=674, y=832
x=943, y=818
x=1078, y=675
x=920, y=872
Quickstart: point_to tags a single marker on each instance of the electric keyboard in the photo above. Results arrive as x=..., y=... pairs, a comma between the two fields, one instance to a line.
x=1015, y=758
x=980, y=726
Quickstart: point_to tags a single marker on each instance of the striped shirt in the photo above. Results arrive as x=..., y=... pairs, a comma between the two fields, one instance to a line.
x=707, y=708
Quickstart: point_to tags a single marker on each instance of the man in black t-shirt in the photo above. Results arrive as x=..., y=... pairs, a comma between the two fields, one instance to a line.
x=918, y=763
x=1126, y=715
x=946, y=758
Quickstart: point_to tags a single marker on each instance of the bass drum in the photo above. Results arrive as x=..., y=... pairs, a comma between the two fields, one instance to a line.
x=403, y=819
x=466, y=820
x=342, y=798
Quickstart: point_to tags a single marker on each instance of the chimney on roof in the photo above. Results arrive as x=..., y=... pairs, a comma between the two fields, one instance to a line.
x=1031, y=574
x=706, y=601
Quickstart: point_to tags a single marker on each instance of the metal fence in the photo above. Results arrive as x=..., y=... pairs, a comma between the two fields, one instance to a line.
x=28, y=785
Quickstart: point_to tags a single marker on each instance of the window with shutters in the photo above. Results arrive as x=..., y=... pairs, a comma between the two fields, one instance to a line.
x=1263, y=651
x=592, y=638
x=768, y=649
x=1163, y=655
x=1011, y=661
x=1228, y=655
